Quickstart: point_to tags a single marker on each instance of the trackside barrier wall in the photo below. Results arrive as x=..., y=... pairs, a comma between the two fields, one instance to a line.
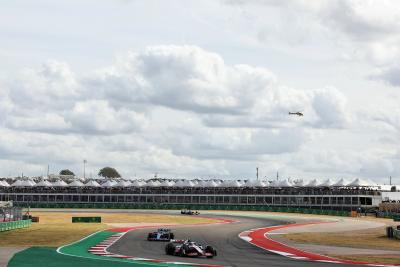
x=6, y=226
x=183, y=206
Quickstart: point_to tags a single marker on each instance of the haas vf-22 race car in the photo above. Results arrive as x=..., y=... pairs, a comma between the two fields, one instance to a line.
x=187, y=248
x=161, y=235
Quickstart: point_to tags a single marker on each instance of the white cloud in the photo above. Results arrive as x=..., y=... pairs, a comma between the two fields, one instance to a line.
x=96, y=116
x=171, y=109
x=53, y=86
x=192, y=79
x=390, y=75
x=182, y=77
x=350, y=30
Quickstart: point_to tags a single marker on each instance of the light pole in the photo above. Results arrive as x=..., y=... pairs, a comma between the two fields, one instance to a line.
x=257, y=173
x=84, y=168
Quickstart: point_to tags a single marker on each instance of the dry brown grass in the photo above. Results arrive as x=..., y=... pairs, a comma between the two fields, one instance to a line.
x=371, y=238
x=66, y=217
x=55, y=228
x=382, y=258
x=47, y=234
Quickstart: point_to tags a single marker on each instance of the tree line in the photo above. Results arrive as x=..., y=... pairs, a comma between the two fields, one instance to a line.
x=106, y=172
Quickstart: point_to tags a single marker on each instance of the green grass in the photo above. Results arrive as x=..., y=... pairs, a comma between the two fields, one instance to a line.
x=48, y=257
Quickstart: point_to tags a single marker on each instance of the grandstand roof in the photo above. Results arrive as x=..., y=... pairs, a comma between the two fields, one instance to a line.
x=341, y=182
x=326, y=183
x=254, y=183
x=251, y=183
x=123, y=183
x=76, y=183
x=4, y=184
x=44, y=183
x=23, y=183
x=59, y=183
x=92, y=183
x=109, y=183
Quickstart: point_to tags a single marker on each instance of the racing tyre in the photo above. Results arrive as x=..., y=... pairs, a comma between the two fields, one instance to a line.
x=171, y=236
x=169, y=249
x=210, y=249
x=149, y=236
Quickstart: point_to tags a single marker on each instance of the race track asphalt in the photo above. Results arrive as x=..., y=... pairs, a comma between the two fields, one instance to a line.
x=231, y=250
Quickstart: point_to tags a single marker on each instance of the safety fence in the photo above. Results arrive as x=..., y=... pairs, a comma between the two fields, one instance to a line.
x=185, y=206
x=6, y=226
x=10, y=214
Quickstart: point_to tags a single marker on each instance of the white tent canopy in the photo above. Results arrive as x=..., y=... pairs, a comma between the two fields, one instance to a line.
x=123, y=183
x=230, y=183
x=109, y=183
x=211, y=184
x=313, y=183
x=326, y=183
x=59, y=183
x=44, y=183
x=167, y=183
x=137, y=183
x=92, y=183
x=23, y=183
x=274, y=183
x=298, y=182
x=153, y=183
x=76, y=183
x=17, y=183
x=359, y=183
x=4, y=184
x=254, y=183
x=285, y=183
x=201, y=183
x=341, y=182
x=184, y=183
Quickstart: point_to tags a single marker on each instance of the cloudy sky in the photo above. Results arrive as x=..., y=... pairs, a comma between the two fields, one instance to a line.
x=201, y=88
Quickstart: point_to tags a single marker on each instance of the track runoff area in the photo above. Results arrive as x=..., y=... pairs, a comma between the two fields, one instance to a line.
x=240, y=240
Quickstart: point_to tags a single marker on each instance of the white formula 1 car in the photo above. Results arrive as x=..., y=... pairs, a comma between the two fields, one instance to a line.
x=187, y=248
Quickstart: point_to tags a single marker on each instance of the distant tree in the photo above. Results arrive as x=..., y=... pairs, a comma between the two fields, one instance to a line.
x=109, y=172
x=66, y=172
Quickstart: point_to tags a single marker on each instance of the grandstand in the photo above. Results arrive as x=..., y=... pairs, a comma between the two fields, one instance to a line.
x=336, y=195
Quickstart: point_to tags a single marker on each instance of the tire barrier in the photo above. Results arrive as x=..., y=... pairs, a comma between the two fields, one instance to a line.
x=7, y=226
x=186, y=206
x=94, y=219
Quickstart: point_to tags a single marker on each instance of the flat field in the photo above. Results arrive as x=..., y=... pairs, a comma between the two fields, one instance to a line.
x=55, y=228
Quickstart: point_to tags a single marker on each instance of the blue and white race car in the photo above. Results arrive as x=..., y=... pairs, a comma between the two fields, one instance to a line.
x=161, y=235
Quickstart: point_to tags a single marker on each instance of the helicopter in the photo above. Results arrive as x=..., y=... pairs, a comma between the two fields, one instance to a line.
x=300, y=114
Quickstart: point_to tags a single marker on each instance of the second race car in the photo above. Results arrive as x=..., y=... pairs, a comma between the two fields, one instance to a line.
x=161, y=234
